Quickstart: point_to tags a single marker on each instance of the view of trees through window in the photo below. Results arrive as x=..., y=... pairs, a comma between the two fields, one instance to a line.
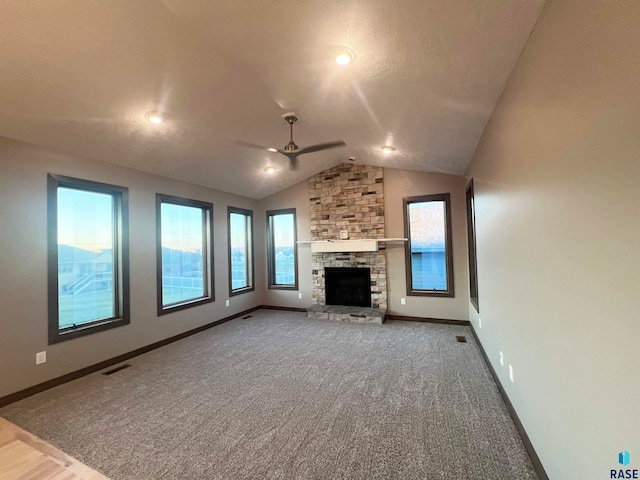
x=182, y=246
x=85, y=226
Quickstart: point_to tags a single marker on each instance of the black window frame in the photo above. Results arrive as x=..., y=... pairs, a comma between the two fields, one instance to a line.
x=406, y=202
x=271, y=268
x=120, y=255
x=474, y=296
x=249, y=248
x=208, y=253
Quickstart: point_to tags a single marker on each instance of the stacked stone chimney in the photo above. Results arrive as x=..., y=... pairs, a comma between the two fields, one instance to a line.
x=349, y=197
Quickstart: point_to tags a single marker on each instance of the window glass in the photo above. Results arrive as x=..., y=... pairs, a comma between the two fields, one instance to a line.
x=240, y=250
x=85, y=257
x=182, y=253
x=185, y=258
x=428, y=259
x=282, y=249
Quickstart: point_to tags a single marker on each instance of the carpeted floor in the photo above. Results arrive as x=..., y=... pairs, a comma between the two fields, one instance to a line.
x=280, y=396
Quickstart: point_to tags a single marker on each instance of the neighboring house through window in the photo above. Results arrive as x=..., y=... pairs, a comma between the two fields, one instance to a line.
x=429, y=260
x=88, y=274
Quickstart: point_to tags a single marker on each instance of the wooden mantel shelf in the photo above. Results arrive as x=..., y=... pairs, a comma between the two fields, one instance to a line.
x=359, y=245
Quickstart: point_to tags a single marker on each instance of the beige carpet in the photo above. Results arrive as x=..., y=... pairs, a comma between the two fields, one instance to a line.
x=280, y=396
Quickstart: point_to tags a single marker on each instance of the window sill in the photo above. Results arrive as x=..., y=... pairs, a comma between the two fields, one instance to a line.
x=88, y=329
x=240, y=291
x=283, y=287
x=430, y=293
x=163, y=310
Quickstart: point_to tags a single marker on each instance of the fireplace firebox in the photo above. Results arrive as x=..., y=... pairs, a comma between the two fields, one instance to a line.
x=348, y=286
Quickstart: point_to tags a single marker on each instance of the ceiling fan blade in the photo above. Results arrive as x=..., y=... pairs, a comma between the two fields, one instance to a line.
x=293, y=162
x=321, y=146
x=250, y=145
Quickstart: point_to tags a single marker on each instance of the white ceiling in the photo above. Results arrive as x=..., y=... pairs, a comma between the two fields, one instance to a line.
x=78, y=76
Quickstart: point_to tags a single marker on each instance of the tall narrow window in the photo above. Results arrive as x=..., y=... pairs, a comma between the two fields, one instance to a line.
x=282, y=252
x=429, y=259
x=88, y=257
x=240, y=250
x=471, y=238
x=185, y=257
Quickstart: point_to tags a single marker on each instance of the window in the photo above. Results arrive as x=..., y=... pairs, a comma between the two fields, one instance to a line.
x=471, y=238
x=282, y=253
x=240, y=250
x=185, y=257
x=429, y=260
x=88, y=274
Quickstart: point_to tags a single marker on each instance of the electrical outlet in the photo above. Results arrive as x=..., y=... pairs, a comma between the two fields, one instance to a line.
x=403, y=301
x=501, y=359
x=344, y=234
x=226, y=303
x=511, y=373
x=479, y=322
x=299, y=294
x=41, y=357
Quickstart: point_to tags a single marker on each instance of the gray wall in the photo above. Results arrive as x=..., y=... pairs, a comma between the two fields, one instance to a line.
x=296, y=197
x=397, y=185
x=23, y=266
x=557, y=177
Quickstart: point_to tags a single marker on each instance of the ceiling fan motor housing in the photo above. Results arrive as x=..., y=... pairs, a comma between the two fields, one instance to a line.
x=291, y=146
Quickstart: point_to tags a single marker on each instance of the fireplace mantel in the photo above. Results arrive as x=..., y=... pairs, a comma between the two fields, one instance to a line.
x=359, y=245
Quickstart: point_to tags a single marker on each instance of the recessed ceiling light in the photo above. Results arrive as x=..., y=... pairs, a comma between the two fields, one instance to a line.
x=345, y=56
x=271, y=149
x=387, y=149
x=270, y=169
x=154, y=117
x=343, y=59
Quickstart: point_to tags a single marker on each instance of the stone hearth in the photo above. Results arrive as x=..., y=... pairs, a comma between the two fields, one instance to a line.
x=347, y=314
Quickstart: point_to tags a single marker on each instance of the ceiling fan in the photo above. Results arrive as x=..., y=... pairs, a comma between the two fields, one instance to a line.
x=291, y=150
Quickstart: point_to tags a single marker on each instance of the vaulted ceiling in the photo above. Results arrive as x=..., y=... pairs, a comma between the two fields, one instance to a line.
x=79, y=76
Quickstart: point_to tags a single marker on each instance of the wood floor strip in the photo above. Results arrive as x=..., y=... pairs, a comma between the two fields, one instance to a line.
x=24, y=456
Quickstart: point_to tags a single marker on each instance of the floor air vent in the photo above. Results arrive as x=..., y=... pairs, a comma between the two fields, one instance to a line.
x=247, y=316
x=117, y=369
x=461, y=338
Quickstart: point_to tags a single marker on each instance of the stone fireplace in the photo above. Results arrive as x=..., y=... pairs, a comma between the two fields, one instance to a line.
x=349, y=198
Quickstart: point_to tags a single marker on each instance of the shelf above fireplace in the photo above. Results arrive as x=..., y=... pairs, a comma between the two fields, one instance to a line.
x=359, y=245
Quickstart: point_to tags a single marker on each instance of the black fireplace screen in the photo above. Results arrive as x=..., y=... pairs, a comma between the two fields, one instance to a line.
x=348, y=286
